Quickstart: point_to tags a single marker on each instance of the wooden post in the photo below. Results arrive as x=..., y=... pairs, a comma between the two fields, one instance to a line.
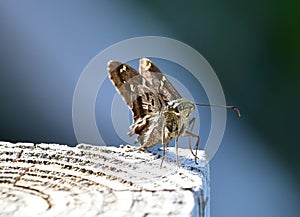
x=57, y=180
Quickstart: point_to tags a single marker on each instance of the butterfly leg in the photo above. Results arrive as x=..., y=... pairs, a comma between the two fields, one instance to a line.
x=190, y=134
x=176, y=145
x=191, y=126
x=163, y=142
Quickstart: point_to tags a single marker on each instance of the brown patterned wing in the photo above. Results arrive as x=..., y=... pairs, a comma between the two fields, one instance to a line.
x=135, y=90
x=142, y=99
x=158, y=81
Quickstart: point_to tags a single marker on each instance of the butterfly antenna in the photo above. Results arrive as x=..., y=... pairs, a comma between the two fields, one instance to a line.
x=222, y=106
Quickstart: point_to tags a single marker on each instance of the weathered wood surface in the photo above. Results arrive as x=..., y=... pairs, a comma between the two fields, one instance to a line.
x=56, y=180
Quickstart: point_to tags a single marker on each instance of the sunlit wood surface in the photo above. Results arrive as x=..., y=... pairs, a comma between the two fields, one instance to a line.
x=57, y=180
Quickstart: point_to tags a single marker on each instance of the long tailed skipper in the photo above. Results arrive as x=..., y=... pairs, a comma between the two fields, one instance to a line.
x=159, y=112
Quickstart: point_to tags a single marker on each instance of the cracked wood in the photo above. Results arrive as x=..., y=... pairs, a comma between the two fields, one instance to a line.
x=57, y=180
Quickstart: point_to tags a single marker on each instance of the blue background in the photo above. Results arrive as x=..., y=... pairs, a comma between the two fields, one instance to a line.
x=253, y=47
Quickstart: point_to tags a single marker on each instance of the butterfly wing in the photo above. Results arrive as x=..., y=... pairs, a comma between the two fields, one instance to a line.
x=135, y=90
x=141, y=98
x=158, y=80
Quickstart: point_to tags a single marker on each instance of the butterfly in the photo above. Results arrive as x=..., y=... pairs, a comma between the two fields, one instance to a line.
x=159, y=112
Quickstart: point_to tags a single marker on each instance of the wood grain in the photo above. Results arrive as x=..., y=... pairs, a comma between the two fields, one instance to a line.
x=57, y=180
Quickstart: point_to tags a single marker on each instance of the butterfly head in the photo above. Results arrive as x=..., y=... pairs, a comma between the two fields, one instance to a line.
x=183, y=106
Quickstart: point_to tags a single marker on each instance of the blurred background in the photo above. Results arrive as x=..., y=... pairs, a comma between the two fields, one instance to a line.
x=253, y=48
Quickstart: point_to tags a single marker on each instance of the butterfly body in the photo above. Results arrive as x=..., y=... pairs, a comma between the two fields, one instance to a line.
x=176, y=117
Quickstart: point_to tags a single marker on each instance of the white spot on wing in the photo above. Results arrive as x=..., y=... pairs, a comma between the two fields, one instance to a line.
x=132, y=87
